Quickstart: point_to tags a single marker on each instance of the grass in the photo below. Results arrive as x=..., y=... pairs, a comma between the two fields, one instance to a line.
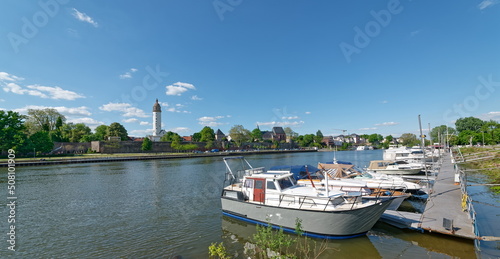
x=489, y=166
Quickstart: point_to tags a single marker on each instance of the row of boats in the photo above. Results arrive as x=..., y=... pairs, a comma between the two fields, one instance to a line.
x=333, y=200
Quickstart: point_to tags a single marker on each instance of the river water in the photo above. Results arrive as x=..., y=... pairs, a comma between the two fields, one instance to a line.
x=168, y=208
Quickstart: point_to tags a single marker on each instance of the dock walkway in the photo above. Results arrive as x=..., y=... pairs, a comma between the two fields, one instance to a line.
x=444, y=204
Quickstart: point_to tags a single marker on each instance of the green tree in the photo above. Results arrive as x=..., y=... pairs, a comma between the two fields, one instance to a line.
x=469, y=123
x=41, y=142
x=469, y=137
x=409, y=139
x=45, y=119
x=319, y=137
x=12, y=130
x=147, y=144
x=441, y=131
x=117, y=130
x=171, y=137
x=207, y=134
x=240, y=135
x=101, y=132
x=78, y=132
x=196, y=137
x=256, y=134
x=375, y=139
x=491, y=130
x=306, y=140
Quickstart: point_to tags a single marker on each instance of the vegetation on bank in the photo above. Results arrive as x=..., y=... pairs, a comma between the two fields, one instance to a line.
x=484, y=160
x=271, y=243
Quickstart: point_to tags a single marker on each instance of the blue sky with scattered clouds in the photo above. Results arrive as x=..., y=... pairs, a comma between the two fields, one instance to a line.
x=360, y=66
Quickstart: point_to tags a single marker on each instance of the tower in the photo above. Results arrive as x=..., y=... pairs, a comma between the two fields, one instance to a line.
x=156, y=119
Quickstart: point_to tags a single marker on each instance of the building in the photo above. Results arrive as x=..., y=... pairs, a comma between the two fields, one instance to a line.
x=157, y=131
x=277, y=134
x=219, y=136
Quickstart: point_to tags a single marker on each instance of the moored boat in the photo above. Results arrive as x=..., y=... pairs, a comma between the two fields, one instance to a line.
x=259, y=196
x=393, y=167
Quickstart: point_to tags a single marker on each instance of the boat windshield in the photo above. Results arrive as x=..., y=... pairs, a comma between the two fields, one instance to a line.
x=285, y=183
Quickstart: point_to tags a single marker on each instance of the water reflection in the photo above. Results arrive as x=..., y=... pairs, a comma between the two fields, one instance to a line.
x=383, y=241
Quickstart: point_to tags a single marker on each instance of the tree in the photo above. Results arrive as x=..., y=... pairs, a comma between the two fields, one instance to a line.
x=171, y=137
x=12, y=129
x=46, y=120
x=78, y=132
x=375, y=139
x=469, y=137
x=441, y=131
x=469, y=123
x=319, y=137
x=239, y=134
x=409, y=139
x=290, y=133
x=101, y=132
x=147, y=144
x=196, y=137
x=207, y=134
x=306, y=140
x=117, y=130
x=256, y=134
x=41, y=142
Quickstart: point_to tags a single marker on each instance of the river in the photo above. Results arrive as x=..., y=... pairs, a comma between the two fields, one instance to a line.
x=168, y=208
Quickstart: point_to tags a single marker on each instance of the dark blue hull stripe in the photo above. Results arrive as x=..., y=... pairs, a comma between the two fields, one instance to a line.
x=289, y=230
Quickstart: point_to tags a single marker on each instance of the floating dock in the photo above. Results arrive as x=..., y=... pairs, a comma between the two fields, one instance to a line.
x=443, y=211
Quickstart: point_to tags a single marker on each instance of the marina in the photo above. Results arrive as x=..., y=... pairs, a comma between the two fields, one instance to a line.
x=152, y=210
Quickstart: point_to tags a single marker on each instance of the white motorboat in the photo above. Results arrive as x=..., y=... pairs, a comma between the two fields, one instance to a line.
x=262, y=197
x=394, y=167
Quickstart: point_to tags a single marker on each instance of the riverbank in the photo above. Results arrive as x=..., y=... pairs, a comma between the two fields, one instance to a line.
x=98, y=158
x=484, y=160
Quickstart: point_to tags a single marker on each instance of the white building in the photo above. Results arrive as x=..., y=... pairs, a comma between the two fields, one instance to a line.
x=157, y=131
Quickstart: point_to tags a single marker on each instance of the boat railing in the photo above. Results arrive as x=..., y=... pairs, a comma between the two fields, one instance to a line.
x=310, y=202
x=468, y=206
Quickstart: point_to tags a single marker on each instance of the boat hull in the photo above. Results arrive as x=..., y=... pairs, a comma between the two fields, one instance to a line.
x=320, y=224
x=397, y=171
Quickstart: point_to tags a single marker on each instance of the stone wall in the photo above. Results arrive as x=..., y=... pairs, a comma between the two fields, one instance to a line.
x=70, y=147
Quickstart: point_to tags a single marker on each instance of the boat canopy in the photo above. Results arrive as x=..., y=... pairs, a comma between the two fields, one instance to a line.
x=298, y=171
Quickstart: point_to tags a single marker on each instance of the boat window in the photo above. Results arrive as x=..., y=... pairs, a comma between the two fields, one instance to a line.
x=285, y=183
x=248, y=183
x=271, y=186
x=259, y=184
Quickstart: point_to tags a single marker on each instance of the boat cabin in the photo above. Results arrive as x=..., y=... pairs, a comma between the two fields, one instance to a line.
x=255, y=187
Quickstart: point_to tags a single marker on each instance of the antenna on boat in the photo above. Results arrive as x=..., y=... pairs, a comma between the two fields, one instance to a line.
x=335, y=155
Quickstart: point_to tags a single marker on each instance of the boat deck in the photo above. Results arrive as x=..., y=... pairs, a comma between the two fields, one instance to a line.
x=443, y=208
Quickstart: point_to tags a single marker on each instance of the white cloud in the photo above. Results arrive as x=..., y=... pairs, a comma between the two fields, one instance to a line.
x=180, y=130
x=387, y=124
x=128, y=74
x=127, y=109
x=281, y=123
x=4, y=76
x=66, y=111
x=414, y=33
x=131, y=120
x=84, y=17
x=2, y=100
x=486, y=3
x=384, y=101
x=179, y=88
x=490, y=116
x=196, y=98
x=144, y=123
x=366, y=129
x=54, y=92
x=307, y=112
x=290, y=118
x=86, y=120
x=141, y=133
x=211, y=121
x=51, y=92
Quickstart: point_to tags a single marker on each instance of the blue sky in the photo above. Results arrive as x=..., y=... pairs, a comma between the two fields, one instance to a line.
x=361, y=66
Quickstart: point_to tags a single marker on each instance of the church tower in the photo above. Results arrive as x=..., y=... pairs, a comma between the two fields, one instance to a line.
x=157, y=119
